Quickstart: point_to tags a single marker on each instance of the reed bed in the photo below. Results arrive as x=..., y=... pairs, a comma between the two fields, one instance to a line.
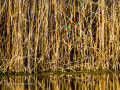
x=33, y=39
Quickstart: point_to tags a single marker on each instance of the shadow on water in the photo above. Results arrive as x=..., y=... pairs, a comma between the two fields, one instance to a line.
x=71, y=81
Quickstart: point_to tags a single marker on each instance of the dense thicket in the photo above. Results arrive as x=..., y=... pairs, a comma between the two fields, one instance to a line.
x=33, y=39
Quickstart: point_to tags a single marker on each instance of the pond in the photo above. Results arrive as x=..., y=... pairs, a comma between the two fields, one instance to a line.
x=61, y=81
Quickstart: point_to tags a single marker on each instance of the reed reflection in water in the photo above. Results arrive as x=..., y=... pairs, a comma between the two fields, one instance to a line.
x=61, y=82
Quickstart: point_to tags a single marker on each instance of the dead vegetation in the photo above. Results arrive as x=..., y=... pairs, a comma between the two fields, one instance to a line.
x=33, y=39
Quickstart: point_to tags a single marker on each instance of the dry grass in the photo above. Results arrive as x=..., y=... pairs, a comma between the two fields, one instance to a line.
x=33, y=39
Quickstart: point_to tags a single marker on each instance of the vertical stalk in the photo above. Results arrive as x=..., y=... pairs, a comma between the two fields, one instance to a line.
x=102, y=33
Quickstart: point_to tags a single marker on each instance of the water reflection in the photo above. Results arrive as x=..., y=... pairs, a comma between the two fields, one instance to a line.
x=61, y=82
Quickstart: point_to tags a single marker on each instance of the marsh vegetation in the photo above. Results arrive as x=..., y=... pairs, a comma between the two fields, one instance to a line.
x=33, y=39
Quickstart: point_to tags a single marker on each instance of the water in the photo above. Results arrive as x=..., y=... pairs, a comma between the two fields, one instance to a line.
x=71, y=81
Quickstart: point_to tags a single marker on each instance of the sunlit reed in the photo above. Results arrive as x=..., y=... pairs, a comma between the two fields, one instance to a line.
x=33, y=37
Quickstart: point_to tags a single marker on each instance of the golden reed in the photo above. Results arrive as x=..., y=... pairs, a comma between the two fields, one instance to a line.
x=33, y=38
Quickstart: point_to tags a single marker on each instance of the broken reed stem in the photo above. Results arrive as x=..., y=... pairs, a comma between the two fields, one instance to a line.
x=34, y=30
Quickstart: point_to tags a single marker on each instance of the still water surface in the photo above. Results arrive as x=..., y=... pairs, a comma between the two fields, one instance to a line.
x=82, y=81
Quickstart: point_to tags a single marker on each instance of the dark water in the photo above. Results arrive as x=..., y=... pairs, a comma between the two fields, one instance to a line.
x=61, y=82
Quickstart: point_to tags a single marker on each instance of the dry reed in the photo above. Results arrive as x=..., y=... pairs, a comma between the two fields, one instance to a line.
x=33, y=39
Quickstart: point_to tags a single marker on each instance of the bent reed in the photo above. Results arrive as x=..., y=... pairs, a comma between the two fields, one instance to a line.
x=33, y=39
